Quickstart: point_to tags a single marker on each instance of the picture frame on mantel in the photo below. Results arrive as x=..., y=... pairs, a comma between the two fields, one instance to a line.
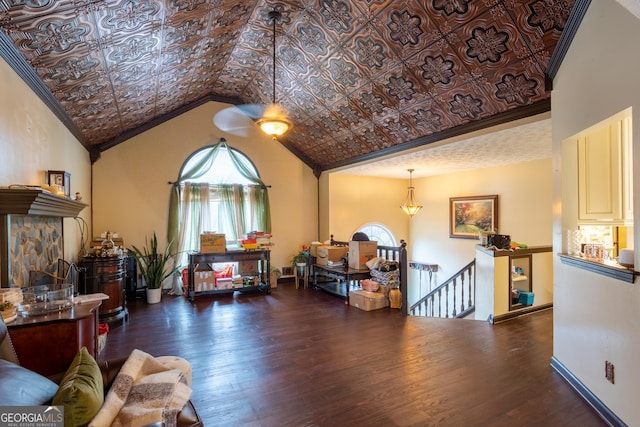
x=61, y=179
x=468, y=216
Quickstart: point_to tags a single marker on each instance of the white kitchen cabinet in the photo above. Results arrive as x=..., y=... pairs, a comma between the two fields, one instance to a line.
x=605, y=192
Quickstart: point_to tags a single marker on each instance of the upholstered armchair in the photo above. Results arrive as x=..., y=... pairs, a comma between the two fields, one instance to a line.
x=20, y=386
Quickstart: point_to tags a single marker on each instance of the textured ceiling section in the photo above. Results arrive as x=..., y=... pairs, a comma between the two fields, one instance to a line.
x=524, y=143
x=355, y=76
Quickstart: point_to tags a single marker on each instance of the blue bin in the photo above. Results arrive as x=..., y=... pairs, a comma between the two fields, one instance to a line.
x=525, y=298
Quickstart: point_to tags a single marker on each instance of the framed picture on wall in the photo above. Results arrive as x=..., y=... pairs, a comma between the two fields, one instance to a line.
x=470, y=215
x=61, y=179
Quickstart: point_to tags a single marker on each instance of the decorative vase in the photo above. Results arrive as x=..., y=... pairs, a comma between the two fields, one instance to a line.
x=395, y=298
x=574, y=242
x=154, y=295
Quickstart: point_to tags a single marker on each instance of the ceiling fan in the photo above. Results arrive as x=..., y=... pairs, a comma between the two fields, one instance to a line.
x=271, y=118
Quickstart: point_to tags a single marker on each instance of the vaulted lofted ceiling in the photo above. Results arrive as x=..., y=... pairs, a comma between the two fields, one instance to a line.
x=358, y=78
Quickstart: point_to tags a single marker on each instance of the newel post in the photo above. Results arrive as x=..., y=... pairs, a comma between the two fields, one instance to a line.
x=404, y=278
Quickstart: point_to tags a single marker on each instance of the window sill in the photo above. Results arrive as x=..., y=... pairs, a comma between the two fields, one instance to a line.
x=609, y=269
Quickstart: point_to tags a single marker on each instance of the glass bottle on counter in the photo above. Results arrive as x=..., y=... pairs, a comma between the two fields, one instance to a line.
x=108, y=245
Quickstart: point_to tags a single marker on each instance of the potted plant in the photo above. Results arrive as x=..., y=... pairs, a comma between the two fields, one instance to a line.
x=154, y=267
x=299, y=261
x=300, y=258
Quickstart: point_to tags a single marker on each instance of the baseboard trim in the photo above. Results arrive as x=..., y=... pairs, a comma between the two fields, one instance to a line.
x=517, y=313
x=605, y=413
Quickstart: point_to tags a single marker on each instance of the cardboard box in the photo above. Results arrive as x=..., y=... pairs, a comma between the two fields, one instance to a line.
x=361, y=252
x=313, y=251
x=204, y=281
x=247, y=268
x=330, y=253
x=224, y=283
x=367, y=301
x=212, y=243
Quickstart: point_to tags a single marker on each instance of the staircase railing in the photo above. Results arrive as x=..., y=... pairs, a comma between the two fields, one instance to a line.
x=449, y=299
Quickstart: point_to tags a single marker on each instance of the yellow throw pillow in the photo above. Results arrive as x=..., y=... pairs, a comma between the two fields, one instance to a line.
x=81, y=390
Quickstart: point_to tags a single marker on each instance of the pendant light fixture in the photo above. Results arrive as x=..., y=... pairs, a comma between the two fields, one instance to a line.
x=274, y=121
x=410, y=207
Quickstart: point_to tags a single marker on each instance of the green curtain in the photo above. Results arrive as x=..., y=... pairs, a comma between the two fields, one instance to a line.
x=174, y=218
x=194, y=218
x=261, y=209
x=258, y=193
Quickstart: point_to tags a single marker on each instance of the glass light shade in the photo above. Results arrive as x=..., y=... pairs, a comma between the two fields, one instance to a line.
x=274, y=122
x=273, y=127
x=410, y=207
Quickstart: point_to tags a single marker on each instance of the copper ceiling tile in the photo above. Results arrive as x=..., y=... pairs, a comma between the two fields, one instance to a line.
x=339, y=19
x=405, y=31
x=449, y=15
x=355, y=76
x=370, y=51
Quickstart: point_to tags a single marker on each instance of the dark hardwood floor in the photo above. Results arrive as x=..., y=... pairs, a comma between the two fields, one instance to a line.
x=304, y=358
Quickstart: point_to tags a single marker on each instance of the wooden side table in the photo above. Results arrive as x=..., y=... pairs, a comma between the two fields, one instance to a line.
x=47, y=343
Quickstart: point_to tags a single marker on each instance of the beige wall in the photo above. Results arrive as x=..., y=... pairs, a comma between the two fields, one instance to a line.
x=524, y=213
x=32, y=141
x=354, y=201
x=524, y=198
x=131, y=194
x=596, y=318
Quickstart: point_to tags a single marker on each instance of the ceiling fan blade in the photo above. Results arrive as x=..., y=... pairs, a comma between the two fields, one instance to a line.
x=253, y=111
x=234, y=120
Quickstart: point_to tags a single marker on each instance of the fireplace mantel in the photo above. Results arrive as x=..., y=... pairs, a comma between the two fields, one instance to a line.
x=31, y=232
x=21, y=201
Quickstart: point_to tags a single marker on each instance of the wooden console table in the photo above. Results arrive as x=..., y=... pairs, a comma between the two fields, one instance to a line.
x=262, y=265
x=48, y=343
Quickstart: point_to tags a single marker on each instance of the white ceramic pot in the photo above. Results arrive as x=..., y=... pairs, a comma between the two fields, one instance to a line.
x=626, y=258
x=301, y=266
x=154, y=295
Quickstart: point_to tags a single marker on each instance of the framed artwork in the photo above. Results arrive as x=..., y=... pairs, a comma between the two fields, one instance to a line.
x=62, y=179
x=470, y=215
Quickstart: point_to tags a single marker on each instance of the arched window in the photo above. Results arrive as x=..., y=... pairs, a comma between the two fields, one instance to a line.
x=222, y=170
x=378, y=232
x=218, y=190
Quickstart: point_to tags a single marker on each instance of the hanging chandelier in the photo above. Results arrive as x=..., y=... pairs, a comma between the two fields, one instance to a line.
x=274, y=121
x=410, y=207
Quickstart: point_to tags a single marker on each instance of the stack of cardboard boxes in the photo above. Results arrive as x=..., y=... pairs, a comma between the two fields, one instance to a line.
x=361, y=252
x=205, y=278
x=358, y=254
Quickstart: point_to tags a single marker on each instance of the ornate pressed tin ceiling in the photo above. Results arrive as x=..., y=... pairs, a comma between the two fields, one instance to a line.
x=358, y=78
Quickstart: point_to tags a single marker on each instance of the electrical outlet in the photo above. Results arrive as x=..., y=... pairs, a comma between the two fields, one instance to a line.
x=609, y=371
